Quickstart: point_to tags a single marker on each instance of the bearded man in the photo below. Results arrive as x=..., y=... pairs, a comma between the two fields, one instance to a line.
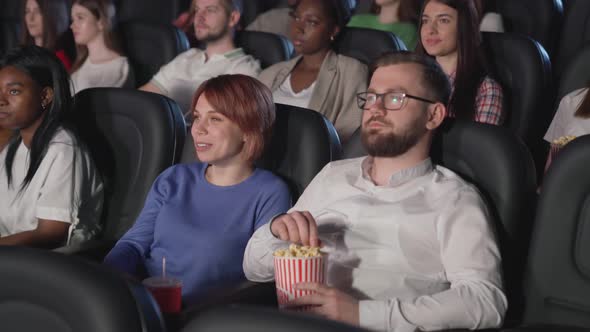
x=410, y=244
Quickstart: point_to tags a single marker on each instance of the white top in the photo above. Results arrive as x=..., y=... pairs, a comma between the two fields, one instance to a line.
x=419, y=253
x=65, y=188
x=180, y=78
x=564, y=122
x=285, y=94
x=276, y=20
x=491, y=22
x=101, y=75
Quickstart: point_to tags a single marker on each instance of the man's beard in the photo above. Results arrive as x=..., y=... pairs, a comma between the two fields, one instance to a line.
x=214, y=36
x=391, y=144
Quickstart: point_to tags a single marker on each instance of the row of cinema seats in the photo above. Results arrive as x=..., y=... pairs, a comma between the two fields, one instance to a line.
x=135, y=135
x=519, y=63
x=560, y=26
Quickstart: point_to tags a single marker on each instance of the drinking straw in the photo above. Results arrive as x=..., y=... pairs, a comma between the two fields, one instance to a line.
x=164, y=267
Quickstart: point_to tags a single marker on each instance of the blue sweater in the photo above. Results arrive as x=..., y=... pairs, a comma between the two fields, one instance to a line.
x=202, y=229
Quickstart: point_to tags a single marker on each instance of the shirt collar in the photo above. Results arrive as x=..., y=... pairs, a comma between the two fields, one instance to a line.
x=229, y=54
x=400, y=177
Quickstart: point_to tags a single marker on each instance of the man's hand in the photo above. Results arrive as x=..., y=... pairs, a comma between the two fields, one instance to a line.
x=328, y=302
x=296, y=227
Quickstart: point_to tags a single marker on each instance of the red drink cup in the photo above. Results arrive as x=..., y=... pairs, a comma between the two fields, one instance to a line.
x=290, y=271
x=167, y=292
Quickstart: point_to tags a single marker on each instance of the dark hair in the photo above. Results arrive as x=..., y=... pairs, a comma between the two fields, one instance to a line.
x=233, y=5
x=407, y=12
x=470, y=70
x=434, y=78
x=340, y=11
x=583, y=110
x=102, y=10
x=46, y=70
x=245, y=101
x=55, y=23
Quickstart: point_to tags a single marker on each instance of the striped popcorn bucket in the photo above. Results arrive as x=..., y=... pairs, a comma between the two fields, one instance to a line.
x=293, y=270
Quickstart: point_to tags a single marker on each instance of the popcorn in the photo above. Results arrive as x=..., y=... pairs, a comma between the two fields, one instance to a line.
x=563, y=140
x=295, y=250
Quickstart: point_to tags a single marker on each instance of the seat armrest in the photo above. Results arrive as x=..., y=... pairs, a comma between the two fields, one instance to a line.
x=247, y=292
x=94, y=250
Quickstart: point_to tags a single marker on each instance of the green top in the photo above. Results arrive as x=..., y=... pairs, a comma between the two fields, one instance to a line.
x=407, y=32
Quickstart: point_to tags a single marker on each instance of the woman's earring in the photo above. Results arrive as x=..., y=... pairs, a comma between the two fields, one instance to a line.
x=331, y=38
x=43, y=106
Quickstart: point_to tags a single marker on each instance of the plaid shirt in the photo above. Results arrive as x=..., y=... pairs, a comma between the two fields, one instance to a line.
x=488, y=102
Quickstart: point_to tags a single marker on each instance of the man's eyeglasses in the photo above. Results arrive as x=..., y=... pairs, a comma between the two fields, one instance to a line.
x=391, y=101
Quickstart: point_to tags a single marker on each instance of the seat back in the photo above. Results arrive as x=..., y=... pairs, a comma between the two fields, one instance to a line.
x=150, y=46
x=366, y=45
x=158, y=11
x=133, y=136
x=45, y=291
x=500, y=165
x=522, y=67
x=576, y=74
x=12, y=9
x=575, y=33
x=558, y=278
x=303, y=142
x=9, y=33
x=251, y=319
x=538, y=19
x=268, y=48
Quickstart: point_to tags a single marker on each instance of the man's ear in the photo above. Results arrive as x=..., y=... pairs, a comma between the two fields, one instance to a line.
x=234, y=19
x=436, y=114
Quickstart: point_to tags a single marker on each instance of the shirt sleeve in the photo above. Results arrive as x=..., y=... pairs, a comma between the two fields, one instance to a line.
x=258, y=260
x=564, y=116
x=276, y=202
x=471, y=259
x=489, y=102
x=60, y=195
x=246, y=66
x=164, y=78
x=350, y=116
x=135, y=244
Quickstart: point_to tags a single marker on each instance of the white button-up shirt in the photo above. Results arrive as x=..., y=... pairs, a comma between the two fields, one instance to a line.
x=180, y=78
x=419, y=253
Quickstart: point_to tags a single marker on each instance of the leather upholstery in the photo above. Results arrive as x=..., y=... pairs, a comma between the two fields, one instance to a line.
x=46, y=291
x=538, y=19
x=575, y=33
x=251, y=319
x=576, y=74
x=499, y=164
x=558, y=273
x=157, y=11
x=303, y=142
x=366, y=45
x=268, y=48
x=149, y=46
x=522, y=67
x=9, y=34
x=133, y=136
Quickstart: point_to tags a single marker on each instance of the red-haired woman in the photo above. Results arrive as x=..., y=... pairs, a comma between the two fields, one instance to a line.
x=99, y=62
x=449, y=32
x=200, y=216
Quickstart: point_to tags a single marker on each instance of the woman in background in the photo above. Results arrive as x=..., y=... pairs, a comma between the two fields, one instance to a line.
x=99, y=61
x=320, y=79
x=200, y=216
x=449, y=32
x=48, y=183
x=43, y=25
x=397, y=16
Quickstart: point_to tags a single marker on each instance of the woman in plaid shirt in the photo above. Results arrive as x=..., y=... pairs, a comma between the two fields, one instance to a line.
x=449, y=31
